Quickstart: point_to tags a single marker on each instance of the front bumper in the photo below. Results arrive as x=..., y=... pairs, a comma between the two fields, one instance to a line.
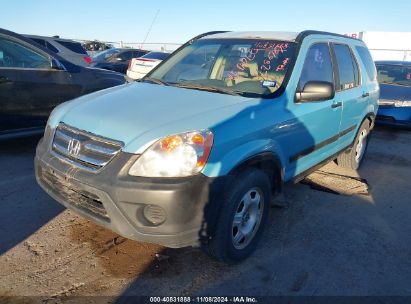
x=115, y=200
x=394, y=116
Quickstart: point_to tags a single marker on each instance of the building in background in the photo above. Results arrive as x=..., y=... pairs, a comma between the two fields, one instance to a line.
x=386, y=45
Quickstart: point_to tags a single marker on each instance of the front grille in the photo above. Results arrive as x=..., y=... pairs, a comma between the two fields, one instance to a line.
x=85, y=149
x=84, y=200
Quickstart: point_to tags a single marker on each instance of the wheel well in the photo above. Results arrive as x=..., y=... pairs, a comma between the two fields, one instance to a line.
x=268, y=163
x=371, y=119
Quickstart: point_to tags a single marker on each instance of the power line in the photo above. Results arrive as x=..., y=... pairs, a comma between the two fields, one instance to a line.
x=151, y=26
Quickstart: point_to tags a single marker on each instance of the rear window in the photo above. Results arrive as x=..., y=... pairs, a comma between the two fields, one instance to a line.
x=367, y=61
x=156, y=55
x=72, y=46
x=394, y=74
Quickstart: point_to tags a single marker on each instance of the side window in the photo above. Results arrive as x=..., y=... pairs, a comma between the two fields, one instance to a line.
x=317, y=65
x=16, y=55
x=39, y=41
x=45, y=44
x=51, y=47
x=347, y=67
x=126, y=56
x=367, y=61
x=138, y=54
x=72, y=46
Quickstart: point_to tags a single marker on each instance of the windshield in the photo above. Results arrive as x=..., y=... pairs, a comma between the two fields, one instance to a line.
x=394, y=74
x=105, y=54
x=247, y=67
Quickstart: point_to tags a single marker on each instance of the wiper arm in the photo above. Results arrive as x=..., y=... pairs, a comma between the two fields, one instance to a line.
x=155, y=80
x=206, y=88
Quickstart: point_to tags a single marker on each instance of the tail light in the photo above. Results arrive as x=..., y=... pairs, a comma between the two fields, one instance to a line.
x=129, y=63
x=148, y=60
x=88, y=59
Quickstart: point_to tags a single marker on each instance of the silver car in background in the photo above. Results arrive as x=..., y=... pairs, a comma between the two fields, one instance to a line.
x=68, y=49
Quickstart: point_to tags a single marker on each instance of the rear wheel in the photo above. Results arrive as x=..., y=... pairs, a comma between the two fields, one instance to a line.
x=244, y=213
x=353, y=157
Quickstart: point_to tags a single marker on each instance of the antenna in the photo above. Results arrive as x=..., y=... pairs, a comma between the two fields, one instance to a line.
x=151, y=26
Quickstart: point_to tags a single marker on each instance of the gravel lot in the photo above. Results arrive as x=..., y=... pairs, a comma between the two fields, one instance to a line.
x=322, y=244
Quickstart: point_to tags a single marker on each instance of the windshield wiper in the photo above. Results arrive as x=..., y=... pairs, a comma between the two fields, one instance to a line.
x=155, y=80
x=206, y=88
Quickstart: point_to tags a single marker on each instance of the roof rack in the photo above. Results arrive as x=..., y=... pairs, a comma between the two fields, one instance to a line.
x=304, y=34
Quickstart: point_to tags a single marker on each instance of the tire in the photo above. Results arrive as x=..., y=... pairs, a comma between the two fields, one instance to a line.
x=243, y=215
x=353, y=157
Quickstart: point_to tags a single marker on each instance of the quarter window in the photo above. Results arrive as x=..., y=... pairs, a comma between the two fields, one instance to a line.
x=317, y=65
x=367, y=61
x=347, y=67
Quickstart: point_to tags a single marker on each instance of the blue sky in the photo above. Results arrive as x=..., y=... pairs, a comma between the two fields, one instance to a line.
x=177, y=21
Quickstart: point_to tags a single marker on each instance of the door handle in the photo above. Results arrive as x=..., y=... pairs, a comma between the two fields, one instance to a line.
x=365, y=94
x=336, y=105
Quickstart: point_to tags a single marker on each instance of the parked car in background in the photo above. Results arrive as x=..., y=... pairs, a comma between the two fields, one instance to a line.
x=68, y=49
x=95, y=47
x=139, y=67
x=116, y=59
x=195, y=152
x=33, y=80
x=395, y=99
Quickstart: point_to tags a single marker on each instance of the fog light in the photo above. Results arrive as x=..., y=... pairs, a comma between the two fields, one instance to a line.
x=154, y=214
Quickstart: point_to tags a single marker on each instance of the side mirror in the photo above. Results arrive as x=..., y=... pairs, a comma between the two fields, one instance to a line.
x=56, y=65
x=316, y=91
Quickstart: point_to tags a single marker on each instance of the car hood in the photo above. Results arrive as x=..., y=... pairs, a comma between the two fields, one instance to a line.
x=145, y=111
x=394, y=92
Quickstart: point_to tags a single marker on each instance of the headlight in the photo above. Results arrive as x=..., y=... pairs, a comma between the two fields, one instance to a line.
x=394, y=103
x=175, y=156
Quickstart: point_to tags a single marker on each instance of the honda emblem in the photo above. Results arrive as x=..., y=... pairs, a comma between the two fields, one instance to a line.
x=73, y=147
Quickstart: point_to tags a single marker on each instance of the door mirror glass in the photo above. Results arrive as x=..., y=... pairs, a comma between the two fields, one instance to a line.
x=315, y=91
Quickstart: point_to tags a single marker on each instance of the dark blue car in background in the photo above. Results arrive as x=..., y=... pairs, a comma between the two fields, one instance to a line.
x=395, y=93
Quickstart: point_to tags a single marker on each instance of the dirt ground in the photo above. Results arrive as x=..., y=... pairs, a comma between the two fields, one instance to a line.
x=338, y=236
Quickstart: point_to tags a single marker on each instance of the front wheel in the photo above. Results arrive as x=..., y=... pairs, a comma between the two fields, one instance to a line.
x=353, y=157
x=244, y=213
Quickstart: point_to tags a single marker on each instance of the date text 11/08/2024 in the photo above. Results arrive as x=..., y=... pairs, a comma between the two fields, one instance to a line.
x=238, y=299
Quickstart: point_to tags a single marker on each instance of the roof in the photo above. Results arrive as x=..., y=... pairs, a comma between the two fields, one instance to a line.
x=285, y=36
x=48, y=38
x=271, y=35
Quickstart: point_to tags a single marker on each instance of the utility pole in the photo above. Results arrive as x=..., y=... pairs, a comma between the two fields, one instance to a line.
x=151, y=26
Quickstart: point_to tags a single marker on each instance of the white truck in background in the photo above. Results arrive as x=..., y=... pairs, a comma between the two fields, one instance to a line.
x=386, y=45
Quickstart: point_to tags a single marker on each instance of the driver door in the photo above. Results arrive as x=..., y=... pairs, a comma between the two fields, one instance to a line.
x=318, y=121
x=29, y=87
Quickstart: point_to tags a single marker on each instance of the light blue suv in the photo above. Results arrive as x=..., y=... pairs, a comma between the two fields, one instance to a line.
x=196, y=151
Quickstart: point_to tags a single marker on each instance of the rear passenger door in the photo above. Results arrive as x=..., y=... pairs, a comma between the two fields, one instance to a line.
x=321, y=119
x=348, y=90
